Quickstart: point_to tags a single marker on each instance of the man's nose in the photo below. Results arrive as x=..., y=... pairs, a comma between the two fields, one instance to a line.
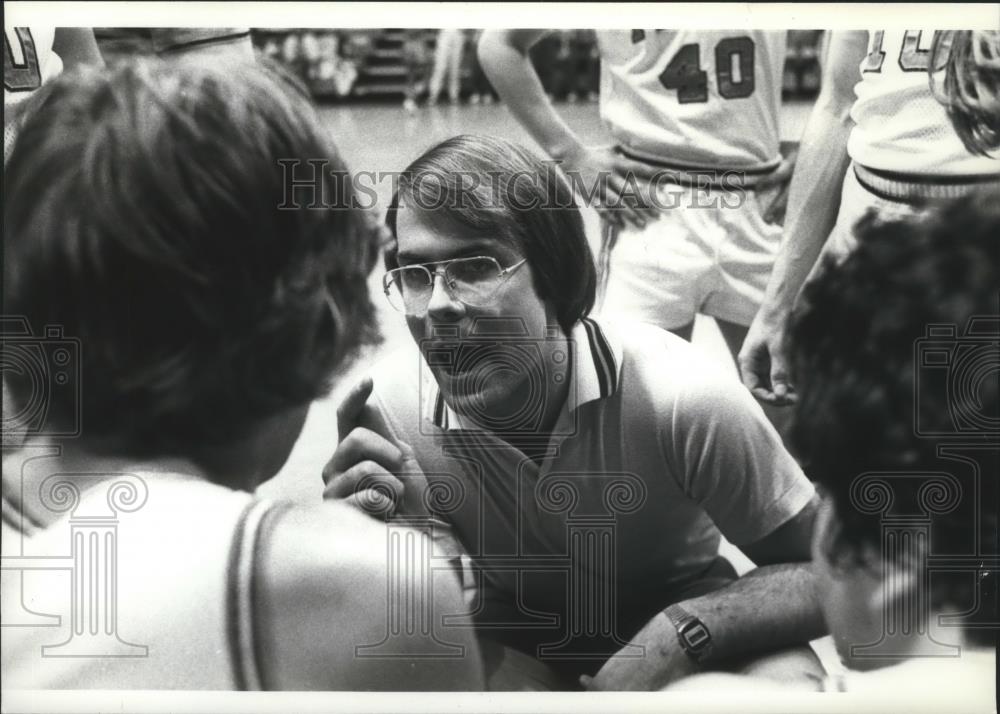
x=442, y=305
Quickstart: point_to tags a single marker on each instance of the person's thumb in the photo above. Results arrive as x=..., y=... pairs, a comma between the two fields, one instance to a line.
x=409, y=457
x=779, y=377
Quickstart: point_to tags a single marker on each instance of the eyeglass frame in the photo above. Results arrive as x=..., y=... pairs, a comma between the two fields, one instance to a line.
x=387, y=281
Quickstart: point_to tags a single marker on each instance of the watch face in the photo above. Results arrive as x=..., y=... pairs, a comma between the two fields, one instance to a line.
x=695, y=635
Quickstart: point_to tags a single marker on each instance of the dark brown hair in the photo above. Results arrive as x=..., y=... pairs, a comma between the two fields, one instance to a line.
x=144, y=217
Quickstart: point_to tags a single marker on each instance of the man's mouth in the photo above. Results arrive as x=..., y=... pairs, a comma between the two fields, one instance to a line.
x=456, y=360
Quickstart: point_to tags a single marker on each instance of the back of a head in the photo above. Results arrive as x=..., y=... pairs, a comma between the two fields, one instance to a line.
x=146, y=215
x=895, y=359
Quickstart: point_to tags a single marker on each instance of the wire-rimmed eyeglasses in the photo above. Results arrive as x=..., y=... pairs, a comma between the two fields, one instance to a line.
x=472, y=281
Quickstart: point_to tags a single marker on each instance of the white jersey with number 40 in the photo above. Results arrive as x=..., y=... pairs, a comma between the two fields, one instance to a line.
x=899, y=125
x=702, y=99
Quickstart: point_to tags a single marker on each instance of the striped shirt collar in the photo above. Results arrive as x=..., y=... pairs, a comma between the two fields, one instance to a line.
x=596, y=373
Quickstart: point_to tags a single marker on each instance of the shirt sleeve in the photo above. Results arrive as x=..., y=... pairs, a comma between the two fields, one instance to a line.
x=731, y=460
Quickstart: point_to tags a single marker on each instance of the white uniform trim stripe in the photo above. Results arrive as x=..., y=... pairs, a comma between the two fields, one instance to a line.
x=604, y=358
x=240, y=597
x=702, y=176
x=898, y=188
x=609, y=237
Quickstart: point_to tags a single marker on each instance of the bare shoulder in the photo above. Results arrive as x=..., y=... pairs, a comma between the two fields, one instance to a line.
x=324, y=608
x=309, y=541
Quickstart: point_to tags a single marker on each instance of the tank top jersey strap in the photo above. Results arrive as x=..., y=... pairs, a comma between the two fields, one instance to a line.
x=242, y=585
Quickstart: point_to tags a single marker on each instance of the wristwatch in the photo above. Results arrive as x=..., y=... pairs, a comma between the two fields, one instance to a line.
x=695, y=639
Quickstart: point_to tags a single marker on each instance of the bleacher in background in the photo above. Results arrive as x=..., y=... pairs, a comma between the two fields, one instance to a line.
x=380, y=64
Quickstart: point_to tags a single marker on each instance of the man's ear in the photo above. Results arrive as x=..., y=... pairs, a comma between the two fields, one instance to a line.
x=896, y=582
x=825, y=532
x=828, y=546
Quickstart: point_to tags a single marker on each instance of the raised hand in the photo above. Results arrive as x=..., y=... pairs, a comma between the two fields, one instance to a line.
x=370, y=470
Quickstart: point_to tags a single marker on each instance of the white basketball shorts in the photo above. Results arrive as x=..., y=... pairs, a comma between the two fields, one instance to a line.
x=710, y=252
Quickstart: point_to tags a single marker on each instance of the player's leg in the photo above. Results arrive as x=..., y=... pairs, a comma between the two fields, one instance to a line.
x=734, y=334
x=410, y=61
x=440, y=66
x=744, y=259
x=455, y=47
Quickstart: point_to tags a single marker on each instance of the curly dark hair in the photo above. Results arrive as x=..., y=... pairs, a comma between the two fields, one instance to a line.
x=146, y=215
x=870, y=404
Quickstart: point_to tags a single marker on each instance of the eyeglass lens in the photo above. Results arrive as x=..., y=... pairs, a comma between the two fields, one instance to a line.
x=472, y=281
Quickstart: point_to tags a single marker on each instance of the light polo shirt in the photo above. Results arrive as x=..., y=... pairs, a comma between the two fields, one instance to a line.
x=654, y=453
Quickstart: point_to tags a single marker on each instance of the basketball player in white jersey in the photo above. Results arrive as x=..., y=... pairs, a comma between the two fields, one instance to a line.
x=33, y=56
x=694, y=117
x=886, y=134
x=178, y=345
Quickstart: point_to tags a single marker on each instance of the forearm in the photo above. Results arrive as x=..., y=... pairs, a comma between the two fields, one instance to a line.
x=514, y=78
x=814, y=193
x=770, y=608
x=813, y=203
x=773, y=609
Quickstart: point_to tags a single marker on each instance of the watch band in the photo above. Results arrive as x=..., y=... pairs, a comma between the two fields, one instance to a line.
x=692, y=634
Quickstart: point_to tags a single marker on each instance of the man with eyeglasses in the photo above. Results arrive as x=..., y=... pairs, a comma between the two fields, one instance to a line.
x=586, y=469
